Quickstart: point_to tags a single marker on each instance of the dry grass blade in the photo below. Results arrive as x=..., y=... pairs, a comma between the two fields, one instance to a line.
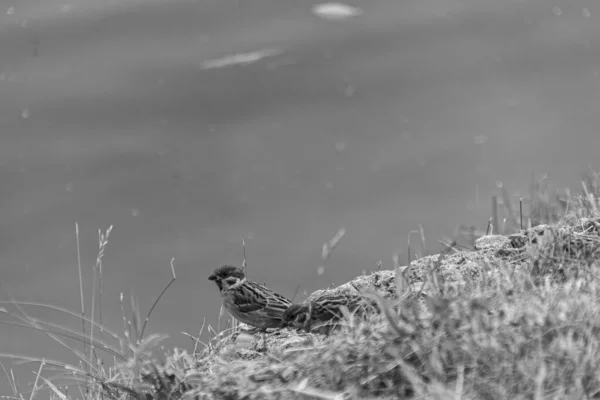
x=244, y=261
x=110, y=386
x=10, y=378
x=539, y=381
x=490, y=228
x=102, y=243
x=303, y=389
x=417, y=383
x=332, y=244
x=31, y=322
x=79, y=270
x=37, y=378
x=396, y=261
x=423, y=240
x=196, y=340
x=591, y=200
x=60, y=309
x=296, y=291
x=54, y=389
x=71, y=334
x=508, y=206
x=159, y=297
x=42, y=326
x=460, y=381
x=403, y=287
x=521, y=213
x=135, y=321
x=388, y=313
x=449, y=247
x=26, y=359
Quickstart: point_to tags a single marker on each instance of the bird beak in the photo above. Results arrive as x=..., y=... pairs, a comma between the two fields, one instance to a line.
x=212, y=277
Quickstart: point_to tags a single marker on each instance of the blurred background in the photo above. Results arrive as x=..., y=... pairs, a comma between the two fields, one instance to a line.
x=133, y=113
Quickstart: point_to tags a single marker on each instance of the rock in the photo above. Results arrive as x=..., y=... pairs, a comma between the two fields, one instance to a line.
x=463, y=265
x=381, y=281
x=491, y=242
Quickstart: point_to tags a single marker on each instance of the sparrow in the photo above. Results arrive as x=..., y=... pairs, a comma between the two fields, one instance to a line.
x=247, y=301
x=321, y=314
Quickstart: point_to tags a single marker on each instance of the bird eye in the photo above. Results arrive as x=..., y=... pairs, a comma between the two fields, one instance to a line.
x=231, y=280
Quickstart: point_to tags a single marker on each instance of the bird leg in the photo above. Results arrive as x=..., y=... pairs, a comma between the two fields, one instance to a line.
x=263, y=348
x=252, y=331
x=308, y=323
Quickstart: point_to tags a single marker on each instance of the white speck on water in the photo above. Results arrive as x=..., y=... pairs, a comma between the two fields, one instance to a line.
x=241, y=58
x=10, y=11
x=69, y=187
x=586, y=13
x=499, y=184
x=321, y=270
x=2, y=76
x=65, y=8
x=349, y=91
x=340, y=146
x=556, y=11
x=339, y=168
x=135, y=212
x=329, y=185
x=335, y=11
x=25, y=113
x=480, y=139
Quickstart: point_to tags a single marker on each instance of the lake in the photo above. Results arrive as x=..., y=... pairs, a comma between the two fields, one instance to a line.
x=134, y=114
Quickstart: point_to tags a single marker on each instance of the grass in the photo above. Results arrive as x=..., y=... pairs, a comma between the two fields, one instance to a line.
x=524, y=325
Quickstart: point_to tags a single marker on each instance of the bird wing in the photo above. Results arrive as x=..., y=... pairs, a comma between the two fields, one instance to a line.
x=260, y=299
x=327, y=308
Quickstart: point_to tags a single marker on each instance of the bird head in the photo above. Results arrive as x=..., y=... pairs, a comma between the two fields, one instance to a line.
x=296, y=316
x=227, y=276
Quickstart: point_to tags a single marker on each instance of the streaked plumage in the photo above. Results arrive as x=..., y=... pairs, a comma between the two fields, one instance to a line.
x=322, y=313
x=247, y=301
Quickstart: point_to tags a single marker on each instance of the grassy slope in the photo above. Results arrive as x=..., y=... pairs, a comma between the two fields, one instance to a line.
x=523, y=323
